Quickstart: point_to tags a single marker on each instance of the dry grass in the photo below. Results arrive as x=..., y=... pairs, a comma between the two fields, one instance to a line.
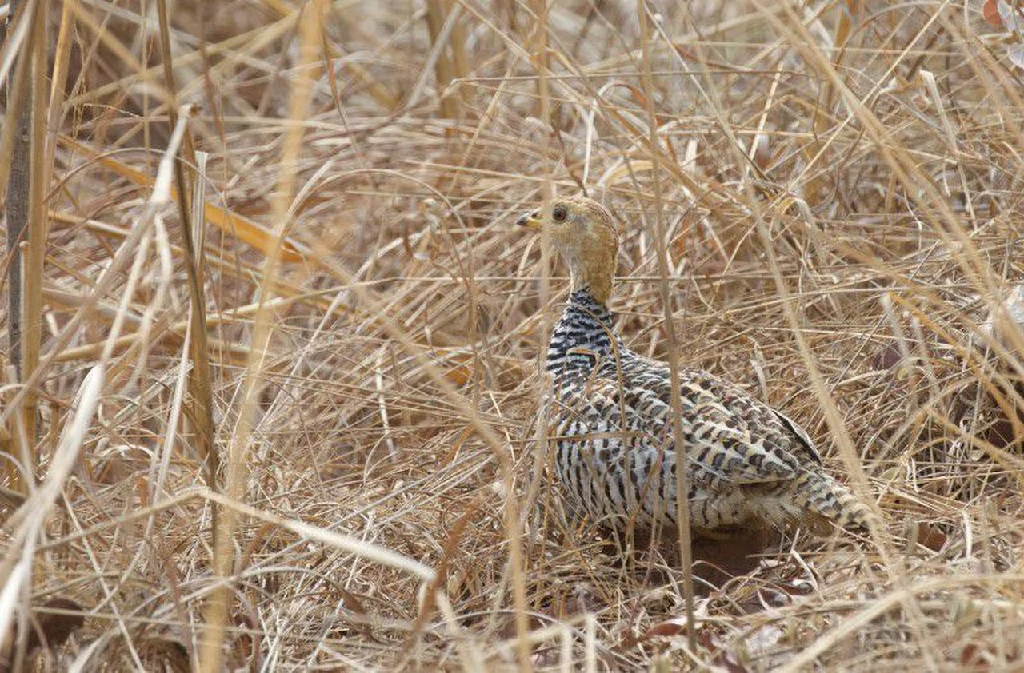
x=839, y=184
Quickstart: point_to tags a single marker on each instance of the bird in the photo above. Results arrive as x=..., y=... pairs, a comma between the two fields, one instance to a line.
x=749, y=466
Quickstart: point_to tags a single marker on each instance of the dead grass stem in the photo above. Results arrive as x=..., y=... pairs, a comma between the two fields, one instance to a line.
x=819, y=201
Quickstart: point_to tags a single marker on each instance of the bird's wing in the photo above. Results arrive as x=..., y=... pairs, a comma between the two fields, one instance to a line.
x=732, y=438
x=801, y=435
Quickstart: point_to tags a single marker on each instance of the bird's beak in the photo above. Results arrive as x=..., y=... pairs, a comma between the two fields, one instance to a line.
x=531, y=221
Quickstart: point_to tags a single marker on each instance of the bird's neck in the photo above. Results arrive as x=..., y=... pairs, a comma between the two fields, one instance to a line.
x=593, y=278
x=582, y=336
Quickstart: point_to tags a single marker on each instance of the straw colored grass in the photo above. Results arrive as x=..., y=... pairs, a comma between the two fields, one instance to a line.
x=836, y=189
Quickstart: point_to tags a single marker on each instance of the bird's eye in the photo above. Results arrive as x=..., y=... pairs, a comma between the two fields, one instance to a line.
x=559, y=214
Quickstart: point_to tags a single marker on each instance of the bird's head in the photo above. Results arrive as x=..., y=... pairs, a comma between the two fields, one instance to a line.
x=584, y=234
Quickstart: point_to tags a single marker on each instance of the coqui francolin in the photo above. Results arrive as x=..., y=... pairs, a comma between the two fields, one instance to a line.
x=749, y=466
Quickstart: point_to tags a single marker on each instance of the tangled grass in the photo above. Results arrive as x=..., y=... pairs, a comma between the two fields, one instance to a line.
x=338, y=467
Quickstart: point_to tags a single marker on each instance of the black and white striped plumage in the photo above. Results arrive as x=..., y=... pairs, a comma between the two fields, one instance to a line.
x=611, y=424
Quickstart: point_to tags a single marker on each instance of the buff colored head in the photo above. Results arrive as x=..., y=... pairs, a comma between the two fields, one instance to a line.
x=584, y=234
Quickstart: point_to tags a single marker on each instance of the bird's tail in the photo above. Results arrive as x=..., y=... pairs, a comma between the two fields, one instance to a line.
x=817, y=502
